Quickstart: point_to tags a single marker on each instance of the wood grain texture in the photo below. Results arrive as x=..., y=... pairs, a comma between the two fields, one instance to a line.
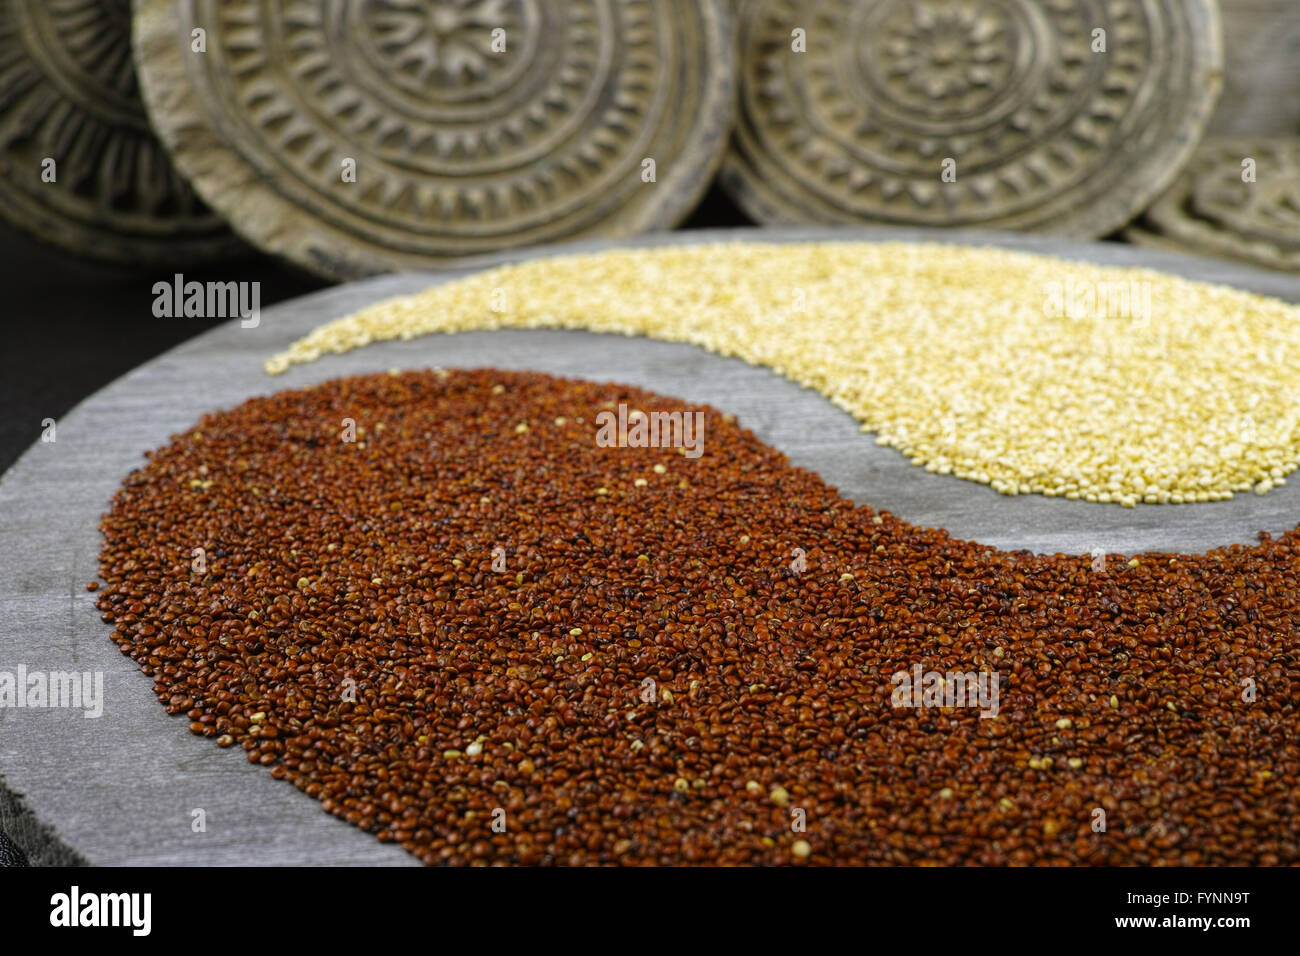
x=1261, y=69
x=120, y=789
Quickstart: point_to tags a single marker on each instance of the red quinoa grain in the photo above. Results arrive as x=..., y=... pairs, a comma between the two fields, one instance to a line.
x=649, y=680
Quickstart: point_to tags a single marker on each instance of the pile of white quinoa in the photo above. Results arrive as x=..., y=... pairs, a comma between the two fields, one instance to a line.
x=1028, y=373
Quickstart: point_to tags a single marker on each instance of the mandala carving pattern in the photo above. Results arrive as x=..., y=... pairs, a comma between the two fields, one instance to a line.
x=1217, y=209
x=1047, y=132
x=68, y=93
x=474, y=125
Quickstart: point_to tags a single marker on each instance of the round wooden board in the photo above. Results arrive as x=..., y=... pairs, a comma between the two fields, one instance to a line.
x=1212, y=210
x=121, y=789
x=79, y=165
x=367, y=137
x=1261, y=69
x=850, y=111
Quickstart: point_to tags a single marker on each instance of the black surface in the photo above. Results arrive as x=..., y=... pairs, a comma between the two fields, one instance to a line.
x=1008, y=904
x=10, y=854
x=72, y=326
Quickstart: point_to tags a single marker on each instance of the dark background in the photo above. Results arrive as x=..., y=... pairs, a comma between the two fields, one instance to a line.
x=71, y=326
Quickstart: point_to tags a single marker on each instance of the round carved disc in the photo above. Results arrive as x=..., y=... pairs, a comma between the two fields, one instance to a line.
x=470, y=125
x=1047, y=133
x=68, y=94
x=1261, y=69
x=1212, y=210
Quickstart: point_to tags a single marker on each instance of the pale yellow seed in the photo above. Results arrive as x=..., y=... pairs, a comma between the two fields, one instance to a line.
x=991, y=365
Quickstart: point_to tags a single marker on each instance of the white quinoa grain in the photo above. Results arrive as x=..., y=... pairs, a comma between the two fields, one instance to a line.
x=968, y=361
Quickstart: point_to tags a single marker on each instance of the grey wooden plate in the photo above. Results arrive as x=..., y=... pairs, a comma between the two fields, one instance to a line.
x=122, y=788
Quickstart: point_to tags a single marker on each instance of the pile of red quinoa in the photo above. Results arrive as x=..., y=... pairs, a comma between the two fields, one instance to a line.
x=474, y=632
